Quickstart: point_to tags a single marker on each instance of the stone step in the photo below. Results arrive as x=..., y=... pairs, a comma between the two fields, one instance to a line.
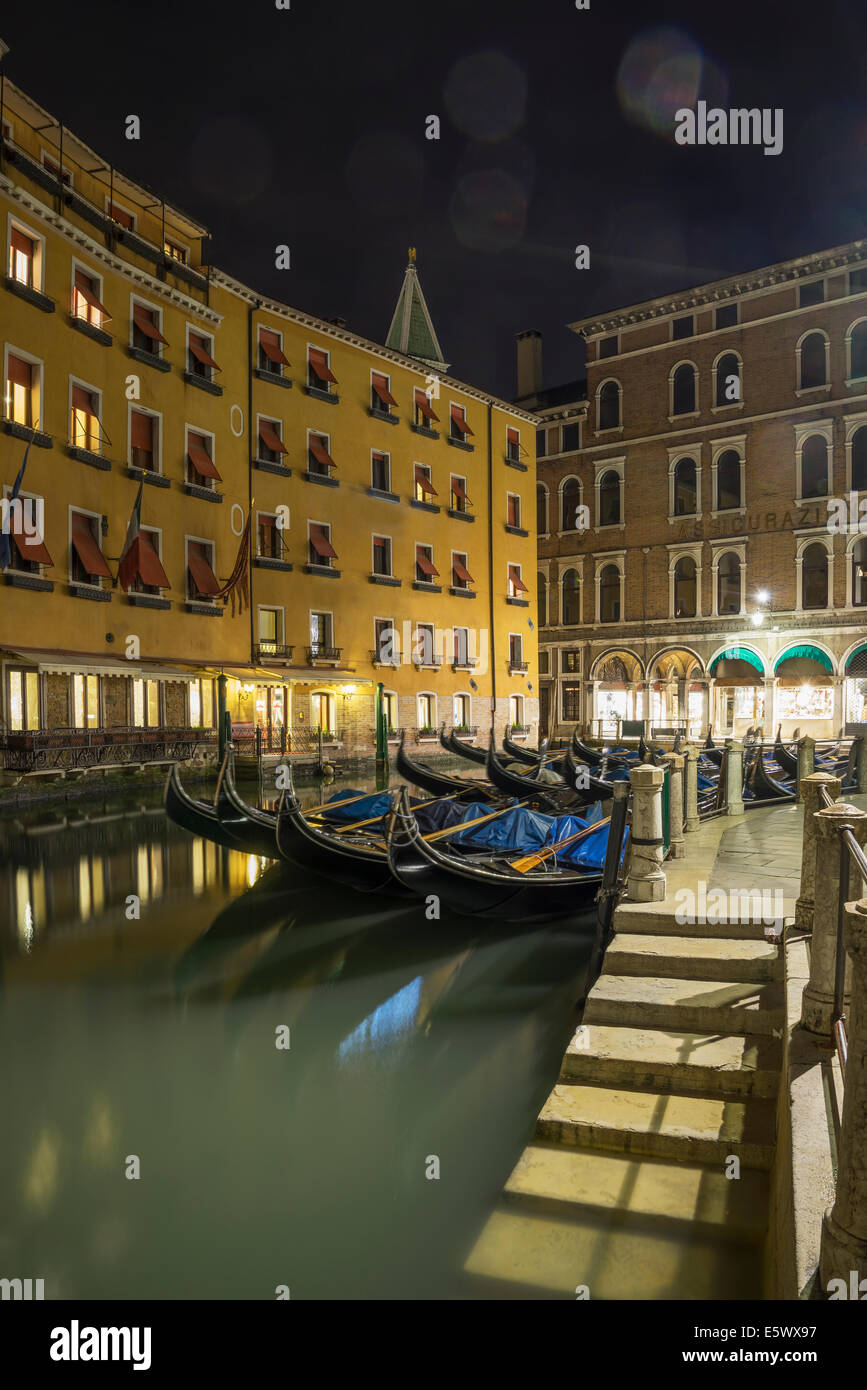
x=640, y=918
x=697, y=958
x=696, y=1129
x=651, y=1059
x=581, y=1183
x=523, y=1254
x=690, y=1006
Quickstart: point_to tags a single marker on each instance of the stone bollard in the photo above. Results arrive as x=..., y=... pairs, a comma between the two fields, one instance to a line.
x=812, y=799
x=690, y=782
x=818, y=1000
x=646, y=881
x=844, y=1230
x=734, y=779
x=861, y=764
x=674, y=762
x=806, y=758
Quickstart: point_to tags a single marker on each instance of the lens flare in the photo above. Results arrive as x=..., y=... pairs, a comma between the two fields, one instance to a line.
x=486, y=95
x=662, y=70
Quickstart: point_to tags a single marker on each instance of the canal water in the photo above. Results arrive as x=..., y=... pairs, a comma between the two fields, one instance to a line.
x=414, y=1047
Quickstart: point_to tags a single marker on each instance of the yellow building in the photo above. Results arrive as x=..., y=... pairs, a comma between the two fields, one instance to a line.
x=392, y=508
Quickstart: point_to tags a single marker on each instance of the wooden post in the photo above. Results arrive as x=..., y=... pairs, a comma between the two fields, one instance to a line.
x=811, y=795
x=817, y=1005
x=690, y=777
x=735, y=778
x=646, y=876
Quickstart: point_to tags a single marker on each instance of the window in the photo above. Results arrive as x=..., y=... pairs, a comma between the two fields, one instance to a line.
x=461, y=713
x=570, y=605
x=271, y=357
x=85, y=427
x=513, y=445
x=541, y=600
x=146, y=335
x=22, y=378
x=269, y=540
x=728, y=481
x=683, y=390
x=52, y=166
x=200, y=360
x=859, y=573
x=149, y=577
x=517, y=587
x=86, y=303
x=87, y=562
x=384, y=639
x=425, y=571
x=685, y=488
x=144, y=440
x=683, y=327
x=858, y=351
x=609, y=347
x=609, y=406
x=461, y=637
x=201, y=703
x=541, y=443
x=120, y=216
x=513, y=510
x=23, y=258
x=859, y=459
x=815, y=576
x=322, y=711
x=424, y=644
x=728, y=380
x=426, y=709
x=571, y=703
x=729, y=584
x=26, y=515
x=23, y=700
x=319, y=374
x=381, y=399
x=424, y=488
x=570, y=439
x=380, y=472
x=176, y=251
x=814, y=467
x=320, y=551
x=425, y=416
x=570, y=501
x=270, y=440
x=201, y=471
x=813, y=371
x=543, y=663
x=541, y=509
x=389, y=707
x=382, y=555
x=609, y=594
x=814, y=293
x=319, y=460
x=270, y=630
x=571, y=663
x=609, y=499
x=321, y=632
x=459, y=428
x=858, y=280
x=460, y=502
x=461, y=577
x=145, y=704
x=202, y=582
x=685, y=587
x=516, y=712
x=516, y=651
x=725, y=316
x=85, y=702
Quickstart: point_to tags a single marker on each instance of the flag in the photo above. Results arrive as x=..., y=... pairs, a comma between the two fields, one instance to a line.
x=238, y=581
x=6, y=528
x=128, y=567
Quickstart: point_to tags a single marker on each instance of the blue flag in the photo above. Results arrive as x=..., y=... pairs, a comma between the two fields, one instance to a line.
x=6, y=527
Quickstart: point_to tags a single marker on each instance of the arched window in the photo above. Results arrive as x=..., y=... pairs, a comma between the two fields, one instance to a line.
x=728, y=392
x=609, y=406
x=609, y=499
x=729, y=584
x=815, y=576
x=858, y=351
x=728, y=481
x=814, y=467
x=683, y=390
x=570, y=606
x=570, y=501
x=685, y=489
x=859, y=573
x=859, y=459
x=541, y=600
x=609, y=595
x=684, y=587
x=541, y=509
x=813, y=361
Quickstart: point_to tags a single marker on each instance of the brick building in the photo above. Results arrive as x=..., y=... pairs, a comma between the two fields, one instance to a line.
x=710, y=580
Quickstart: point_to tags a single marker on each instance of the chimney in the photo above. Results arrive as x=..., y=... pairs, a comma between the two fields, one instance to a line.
x=529, y=362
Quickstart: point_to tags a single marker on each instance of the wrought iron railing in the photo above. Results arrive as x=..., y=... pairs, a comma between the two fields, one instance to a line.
x=46, y=749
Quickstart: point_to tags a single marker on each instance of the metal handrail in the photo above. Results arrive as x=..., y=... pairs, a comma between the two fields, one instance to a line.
x=849, y=849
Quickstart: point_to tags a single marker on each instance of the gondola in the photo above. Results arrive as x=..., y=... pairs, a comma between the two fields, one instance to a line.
x=468, y=751
x=765, y=787
x=553, y=762
x=711, y=752
x=591, y=756
x=359, y=863
x=597, y=788
x=514, y=784
x=787, y=760
x=482, y=888
x=440, y=783
x=222, y=824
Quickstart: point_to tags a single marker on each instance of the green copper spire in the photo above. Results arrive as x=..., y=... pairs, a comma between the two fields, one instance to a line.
x=412, y=331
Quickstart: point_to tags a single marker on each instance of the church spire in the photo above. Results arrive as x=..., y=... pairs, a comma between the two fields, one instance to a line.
x=412, y=331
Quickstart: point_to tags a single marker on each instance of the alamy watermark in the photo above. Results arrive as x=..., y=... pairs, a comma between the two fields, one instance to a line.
x=733, y=905
x=736, y=127
x=23, y=517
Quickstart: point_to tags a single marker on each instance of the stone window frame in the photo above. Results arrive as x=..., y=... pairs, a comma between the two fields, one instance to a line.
x=853, y=423
x=736, y=545
x=804, y=539
x=731, y=406
x=601, y=467
x=826, y=384
x=610, y=429
x=804, y=430
x=678, y=550
x=692, y=452
x=561, y=488
x=696, y=410
x=718, y=447
x=605, y=558
x=856, y=380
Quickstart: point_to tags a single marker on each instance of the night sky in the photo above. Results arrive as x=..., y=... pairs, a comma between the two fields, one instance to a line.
x=307, y=127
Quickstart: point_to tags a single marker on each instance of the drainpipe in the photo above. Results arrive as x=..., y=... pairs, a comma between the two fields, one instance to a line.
x=491, y=645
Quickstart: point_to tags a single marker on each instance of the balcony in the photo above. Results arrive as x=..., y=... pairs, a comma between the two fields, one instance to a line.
x=61, y=749
x=466, y=731
x=326, y=656
x=513, y=459
x=518, y=666
x=427, y=663
x=271, y=651
x=464, y=663
x=384, y=415
x=377, y=659
x=521, y=730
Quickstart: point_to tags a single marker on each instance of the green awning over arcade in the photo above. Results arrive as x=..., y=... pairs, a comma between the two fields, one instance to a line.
x=856, y=666
x=806, y=652
x=738, y=654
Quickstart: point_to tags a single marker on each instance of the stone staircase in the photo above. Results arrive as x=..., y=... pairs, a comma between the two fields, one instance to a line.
x=672, y=1074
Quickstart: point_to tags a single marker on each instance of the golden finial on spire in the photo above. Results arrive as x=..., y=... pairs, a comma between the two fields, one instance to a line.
x=412, y=255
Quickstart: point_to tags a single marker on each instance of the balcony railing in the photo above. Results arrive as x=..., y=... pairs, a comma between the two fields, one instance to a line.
x=46, y=749
x=271, y=651
x=321, y=653
x=378, y=659
x=518, y=665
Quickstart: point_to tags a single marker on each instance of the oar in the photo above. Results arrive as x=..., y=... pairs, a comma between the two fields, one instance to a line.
x=469, y=824
x=342, y=829
x=522, y=865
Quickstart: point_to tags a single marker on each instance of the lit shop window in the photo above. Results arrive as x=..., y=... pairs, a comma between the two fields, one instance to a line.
x=23, y=700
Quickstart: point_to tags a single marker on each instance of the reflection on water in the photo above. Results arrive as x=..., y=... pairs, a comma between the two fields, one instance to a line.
x=146, y=977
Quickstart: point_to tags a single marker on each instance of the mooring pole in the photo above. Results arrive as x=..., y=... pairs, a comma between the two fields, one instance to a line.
x=221, y=717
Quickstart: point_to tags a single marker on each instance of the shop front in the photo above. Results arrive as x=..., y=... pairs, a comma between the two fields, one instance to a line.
x=739, y=692
x=804, y=694
x=855, y=691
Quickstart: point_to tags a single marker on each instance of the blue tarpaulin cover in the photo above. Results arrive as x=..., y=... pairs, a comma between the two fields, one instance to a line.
x=518, y=829
x=374, y=805
x=588, y=853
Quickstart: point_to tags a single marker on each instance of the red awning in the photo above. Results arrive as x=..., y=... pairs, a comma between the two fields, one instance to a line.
x=270, y=438
x=380, y=386
x=84, y=285
x=425, y=565
x=205, y=580
x=316, y=445
x=30, y=547
x=200, y=458
x=319, y=362
x=86, y=547
x=320, y=542
x=422, y=400
x=460, y=420
x=513, y=436
x=516, y=579
x=83, y=400
x=458, y=489
x=199, y=349
x=149, y=565
x=462, y=572
x=270, y=344
x=424, y=481
x=146, y=324
x=21, y=243
x=142, y=431
x=119, y=215
x=19, y=372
